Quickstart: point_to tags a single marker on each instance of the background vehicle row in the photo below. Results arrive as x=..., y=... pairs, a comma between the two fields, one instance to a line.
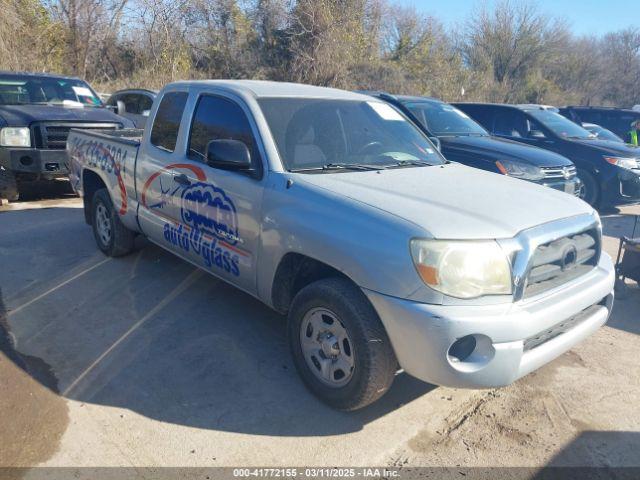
x=609, y=170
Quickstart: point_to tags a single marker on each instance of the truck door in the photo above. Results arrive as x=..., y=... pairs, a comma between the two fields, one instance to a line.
x=155, y=180
x=220, y=209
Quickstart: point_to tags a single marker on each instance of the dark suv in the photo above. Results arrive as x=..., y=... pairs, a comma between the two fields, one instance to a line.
x=464, y=141
x=618, y=120
x=610, y=171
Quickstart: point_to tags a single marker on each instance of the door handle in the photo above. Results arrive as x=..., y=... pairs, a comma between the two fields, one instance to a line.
x=182, y=179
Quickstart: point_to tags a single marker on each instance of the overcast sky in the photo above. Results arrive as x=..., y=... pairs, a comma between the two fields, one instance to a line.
x=584, y=16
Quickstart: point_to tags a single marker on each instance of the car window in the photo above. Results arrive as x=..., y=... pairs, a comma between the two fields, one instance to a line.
x=590, y=116
x=218, y=118
x=442, y=119
x=534, y=129
x=313, y=133
x=509, y=123
x=16, y=89
x=132, y=103
x=144, y=103
x=561, y=126
x=166, y=124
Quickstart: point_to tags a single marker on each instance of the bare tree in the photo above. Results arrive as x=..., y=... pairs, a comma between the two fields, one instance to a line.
x=509, y=43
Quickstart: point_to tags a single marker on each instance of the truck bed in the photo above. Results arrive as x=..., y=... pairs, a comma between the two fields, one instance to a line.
x=112, y=155
x=131, y=136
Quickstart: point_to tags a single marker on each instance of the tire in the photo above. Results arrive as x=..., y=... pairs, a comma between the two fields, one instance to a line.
x=366, y=350
x=112, y=237
x=8, y=185
x=590, y=190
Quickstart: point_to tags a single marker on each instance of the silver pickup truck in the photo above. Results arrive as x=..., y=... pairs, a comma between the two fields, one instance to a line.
x=332, y=208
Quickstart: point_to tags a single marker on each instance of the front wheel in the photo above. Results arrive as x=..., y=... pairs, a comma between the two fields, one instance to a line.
x=8, y=185
x=112, y=237
x=339, y=346
x=589, y=190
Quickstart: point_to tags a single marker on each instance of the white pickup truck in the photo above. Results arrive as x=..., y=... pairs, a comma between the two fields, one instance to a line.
x=331, y=207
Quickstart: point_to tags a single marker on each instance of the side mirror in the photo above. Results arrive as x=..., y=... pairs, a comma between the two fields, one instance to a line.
x=229, y=155
x=120, y=107
x=436, y=143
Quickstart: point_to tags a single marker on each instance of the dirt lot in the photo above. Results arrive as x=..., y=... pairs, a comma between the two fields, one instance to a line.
x=144, y=361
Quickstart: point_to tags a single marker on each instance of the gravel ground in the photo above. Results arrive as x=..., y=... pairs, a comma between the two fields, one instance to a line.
x=144, y=361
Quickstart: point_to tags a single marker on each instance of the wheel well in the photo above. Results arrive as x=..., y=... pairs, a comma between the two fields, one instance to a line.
x=295, y=272
x=91, y=183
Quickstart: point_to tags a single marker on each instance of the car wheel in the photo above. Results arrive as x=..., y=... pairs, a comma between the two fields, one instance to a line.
x=589, y=190
x=339, y=346
x=8, y=185
x=112, y=237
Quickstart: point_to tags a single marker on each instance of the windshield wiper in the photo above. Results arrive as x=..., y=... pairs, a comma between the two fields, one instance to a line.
x=407, y=163
x=339, y=166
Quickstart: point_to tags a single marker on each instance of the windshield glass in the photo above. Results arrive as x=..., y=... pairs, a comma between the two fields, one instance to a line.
x=312, y=133
x=28, y=89
x=441, y=119
x=604, y=134
x=560, y=125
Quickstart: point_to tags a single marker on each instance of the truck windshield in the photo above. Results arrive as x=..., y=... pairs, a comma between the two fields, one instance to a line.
x=561, y=126
x=344, y=134
x=44, y=90
x=444, y=120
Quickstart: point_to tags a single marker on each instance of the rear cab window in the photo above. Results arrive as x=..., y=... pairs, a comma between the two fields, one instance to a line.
x=166, y=123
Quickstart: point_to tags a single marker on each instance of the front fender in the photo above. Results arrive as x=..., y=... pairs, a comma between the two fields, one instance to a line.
x=368, y=245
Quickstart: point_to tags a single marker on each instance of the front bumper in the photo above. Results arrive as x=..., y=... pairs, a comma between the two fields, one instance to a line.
x=571, y=186
x=512, y=339
x=35, y=164
x=622, y=188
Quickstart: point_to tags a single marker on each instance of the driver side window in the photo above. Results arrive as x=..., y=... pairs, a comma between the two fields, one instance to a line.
x=509, y=123
x=218, y=118
x=535, y=130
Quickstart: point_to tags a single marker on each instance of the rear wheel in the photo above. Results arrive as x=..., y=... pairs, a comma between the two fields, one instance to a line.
x=339, y=346
x=112, y=237
x=8, y=185
x=589, y=190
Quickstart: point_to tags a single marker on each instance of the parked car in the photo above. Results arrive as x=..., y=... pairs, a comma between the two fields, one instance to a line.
x=618, y=120
x=602, y=133
x=335, y=209
x=609, y=171
x=463, y=140
x=36, y=113
x=134, y=104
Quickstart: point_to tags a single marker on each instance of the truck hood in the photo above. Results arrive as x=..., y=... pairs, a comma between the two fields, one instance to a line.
x=494, y=148
x=25, y=115
x=454, y=201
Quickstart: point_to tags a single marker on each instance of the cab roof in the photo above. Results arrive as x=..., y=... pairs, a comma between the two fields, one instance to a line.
x=264, y=89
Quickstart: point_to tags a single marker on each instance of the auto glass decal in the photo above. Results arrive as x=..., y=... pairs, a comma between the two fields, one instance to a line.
x=209, y=222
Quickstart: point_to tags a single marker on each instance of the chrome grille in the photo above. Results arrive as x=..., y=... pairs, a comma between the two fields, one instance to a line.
x=562, y=260
x=53, y=136
x=566, y=173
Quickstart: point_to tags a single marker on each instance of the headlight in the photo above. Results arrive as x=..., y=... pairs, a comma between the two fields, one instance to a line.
x=463, y=269
x=630, y=163
x=519, y=170
x=15, y=137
